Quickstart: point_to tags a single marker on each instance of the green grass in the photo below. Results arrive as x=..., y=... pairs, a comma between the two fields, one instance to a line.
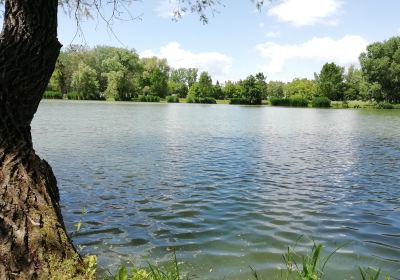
x=222, y=101
x=170, y=271
x=308, y=266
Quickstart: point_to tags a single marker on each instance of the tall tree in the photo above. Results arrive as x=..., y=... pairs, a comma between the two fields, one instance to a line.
x=331, y=82
x=381, y=65
x=353, y=80
x=206, y=85
x=33, y=240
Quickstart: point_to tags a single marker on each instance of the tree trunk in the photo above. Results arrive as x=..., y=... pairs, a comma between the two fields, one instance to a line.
x=33, y=240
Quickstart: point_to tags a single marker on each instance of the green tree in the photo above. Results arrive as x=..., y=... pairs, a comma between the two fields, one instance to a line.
x=232, y=90
x=381, y=65
x=252, y=93
x=353, y=80
x=330, y=82
x=195, y=91
x=205, y=85
x=84, y=82
x=155, y=76
x=121, y=68
x=302, y=87
x=262, y=84
x=191, y=76
x=177, y=88
x=218, y=93
x=276, y=89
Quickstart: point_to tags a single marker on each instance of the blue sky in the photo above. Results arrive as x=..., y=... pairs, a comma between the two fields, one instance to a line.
x=287, y=39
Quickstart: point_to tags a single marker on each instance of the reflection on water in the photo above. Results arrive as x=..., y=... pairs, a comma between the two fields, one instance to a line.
x=227, y=186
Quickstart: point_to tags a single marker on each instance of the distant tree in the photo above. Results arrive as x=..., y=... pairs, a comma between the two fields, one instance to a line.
x=205, y=85
x=191, y=76
x=262, y=84
x=252, y=92
x=218, y=93
x=195, y=91
x=232, y=90
x=85, y=83
x=353, y=80
x=58, y=81
x=177, y=88
x=276, y=89
x=121, y=69
x=156, y=75
x=381, y=65
x=330, y=82
x=302, y=87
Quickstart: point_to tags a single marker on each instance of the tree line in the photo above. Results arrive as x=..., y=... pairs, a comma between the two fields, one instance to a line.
x=120, y=74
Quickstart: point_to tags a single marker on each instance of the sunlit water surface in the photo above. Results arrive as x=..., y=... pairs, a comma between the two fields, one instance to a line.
x=227, y=186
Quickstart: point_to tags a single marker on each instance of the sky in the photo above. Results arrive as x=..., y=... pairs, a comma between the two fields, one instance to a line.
x=286, y=39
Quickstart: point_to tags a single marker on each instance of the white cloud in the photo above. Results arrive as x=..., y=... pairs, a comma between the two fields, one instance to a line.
x=273, y=34
x=167, y=8
x=343, y=51
x=306, y=12
x=217, y=64
x=261, y=25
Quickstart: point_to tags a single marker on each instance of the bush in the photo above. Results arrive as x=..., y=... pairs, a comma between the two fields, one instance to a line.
x=276, y=101
x=172, y=99
x=148, y=98
x=206, y=100
x=239, y=101
x=190, y=99
x=52, y=95
x=321, y=102
x=384, y=105
x=298, y=101
x=202, y=100
x=73, y=95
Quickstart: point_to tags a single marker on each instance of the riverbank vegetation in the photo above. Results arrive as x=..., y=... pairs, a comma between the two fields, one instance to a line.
x=308, y=266
x=108, y=73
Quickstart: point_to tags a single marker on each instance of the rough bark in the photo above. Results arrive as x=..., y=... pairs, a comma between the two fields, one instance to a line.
x=33, y=240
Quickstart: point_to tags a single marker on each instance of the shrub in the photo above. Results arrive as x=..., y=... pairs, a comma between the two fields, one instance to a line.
x=384, y=105
x=52, y=95
x=321, y=102
x=238, y=101
x=148, y=98
x=202, y=100
x=206, y=100
x=190, y=99
x=298, y=101
x=277, y=101
x=73, y=95
x=172, y=99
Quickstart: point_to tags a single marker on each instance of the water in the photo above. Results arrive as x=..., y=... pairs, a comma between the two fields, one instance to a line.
x=226, y=186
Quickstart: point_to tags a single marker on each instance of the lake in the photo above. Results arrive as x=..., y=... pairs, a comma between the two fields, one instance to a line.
x=227, y=186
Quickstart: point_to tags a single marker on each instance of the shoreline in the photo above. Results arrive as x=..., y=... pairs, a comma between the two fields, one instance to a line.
x=354, y=104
